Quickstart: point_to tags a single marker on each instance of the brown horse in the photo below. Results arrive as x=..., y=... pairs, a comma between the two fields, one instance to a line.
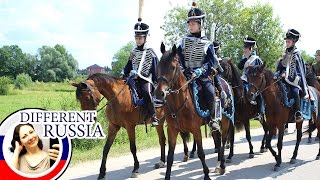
x=120, y=112
x=244, y=109
x=261, y=81
x=313, y=81
x=180, y=113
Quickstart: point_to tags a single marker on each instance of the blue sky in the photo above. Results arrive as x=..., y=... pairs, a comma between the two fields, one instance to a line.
x=93, y=30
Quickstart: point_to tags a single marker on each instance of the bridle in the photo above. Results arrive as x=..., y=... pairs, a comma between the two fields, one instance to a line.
x=172, y=81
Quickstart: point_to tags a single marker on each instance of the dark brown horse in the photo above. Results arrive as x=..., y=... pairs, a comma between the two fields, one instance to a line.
x=179, y=102
x=120, y=112
x=261, y=81
x=313, y=81
x=244, y=110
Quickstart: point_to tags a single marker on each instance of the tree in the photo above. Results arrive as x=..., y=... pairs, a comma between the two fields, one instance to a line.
x=307, y=57
x=228, y=21
x=13, y=61
x=258, y=21
x=56, y=64
x=120, y=59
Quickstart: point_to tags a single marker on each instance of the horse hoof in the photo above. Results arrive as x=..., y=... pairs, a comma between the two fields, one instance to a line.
x=159, y=165
x=191, y=155
x=276, y=168
x=185, y=159
x=227, y=146
x=134, y=175
x=251, y=155
x=262, y=150
x=222, y=171
x=316, y=139
x=309, y=140
x=100, y=177
x=293, y=161
x=207, y=177
x=228, y=160
x=216, y=170
x=318, y=157
x=215, y=151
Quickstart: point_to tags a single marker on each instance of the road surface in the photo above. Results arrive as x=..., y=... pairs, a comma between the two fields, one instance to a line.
x=242, y=167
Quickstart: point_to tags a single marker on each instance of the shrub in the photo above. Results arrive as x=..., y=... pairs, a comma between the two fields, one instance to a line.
x=4, y=85
x=22, y=80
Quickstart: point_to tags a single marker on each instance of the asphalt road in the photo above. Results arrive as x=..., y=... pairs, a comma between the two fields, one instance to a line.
x=242, y=167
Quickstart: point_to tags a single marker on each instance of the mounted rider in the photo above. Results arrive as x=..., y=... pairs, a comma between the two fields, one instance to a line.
x=292, y=69
x=141, y=66
x=251, y=59
x=198, y=59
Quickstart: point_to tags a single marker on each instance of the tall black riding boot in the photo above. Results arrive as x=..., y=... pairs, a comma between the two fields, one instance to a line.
x=213, y=123
x=152, y=112
x=297, y=114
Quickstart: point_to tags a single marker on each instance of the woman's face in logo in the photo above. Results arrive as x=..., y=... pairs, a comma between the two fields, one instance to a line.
x=28, y=136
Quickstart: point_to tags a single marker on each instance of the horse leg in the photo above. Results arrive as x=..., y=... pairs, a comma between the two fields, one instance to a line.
x=268, y=143
x=194, y=148
x=299, y=135
x=318, y=136
x=231, y=137
x=172, y=138
x=265, y=129
x=248, y=136
x=184, y=137
x=309, y=132
x=112, y=132
x=198, y=138
x=217, y=138
x=162, y=142
x=279, y=145
x=216, y=143
x=132, y=138
x=225, y=129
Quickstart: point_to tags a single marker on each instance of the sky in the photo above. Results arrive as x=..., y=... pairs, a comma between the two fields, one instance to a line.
x=94, y=30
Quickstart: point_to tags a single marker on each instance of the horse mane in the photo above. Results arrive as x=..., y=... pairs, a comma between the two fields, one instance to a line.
x=98, y=78
x=235, y=74
x=268, y=75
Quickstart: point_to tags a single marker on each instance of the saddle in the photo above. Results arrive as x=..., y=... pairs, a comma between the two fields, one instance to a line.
x=136, y=94
x=306, y=106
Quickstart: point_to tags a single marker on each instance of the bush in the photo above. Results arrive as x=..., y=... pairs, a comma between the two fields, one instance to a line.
x=4, y=85
x=22, y=80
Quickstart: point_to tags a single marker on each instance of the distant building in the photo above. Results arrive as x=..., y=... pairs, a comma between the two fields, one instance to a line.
x=95, y=69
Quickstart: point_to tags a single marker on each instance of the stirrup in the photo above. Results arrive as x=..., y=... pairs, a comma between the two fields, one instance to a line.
x=214, y=125
x=154, y=121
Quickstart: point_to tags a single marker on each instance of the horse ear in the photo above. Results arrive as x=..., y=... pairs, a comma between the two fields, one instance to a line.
x=174, y=49
x=162, y=48
x=74, y=84
x=262, y=67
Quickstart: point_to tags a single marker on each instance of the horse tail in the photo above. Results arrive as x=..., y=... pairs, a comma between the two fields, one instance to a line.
x=311, y=128
x=185, y=135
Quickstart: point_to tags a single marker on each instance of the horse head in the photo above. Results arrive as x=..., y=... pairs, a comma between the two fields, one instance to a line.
x=226, y=65
x=168, y=71
x=88, y=94
x=256, y=80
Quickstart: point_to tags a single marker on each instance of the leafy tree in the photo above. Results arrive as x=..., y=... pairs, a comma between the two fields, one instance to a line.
x=120, y=59
x=56, y=64
x=13, y=61
x=307, y=57
x=228, y=21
